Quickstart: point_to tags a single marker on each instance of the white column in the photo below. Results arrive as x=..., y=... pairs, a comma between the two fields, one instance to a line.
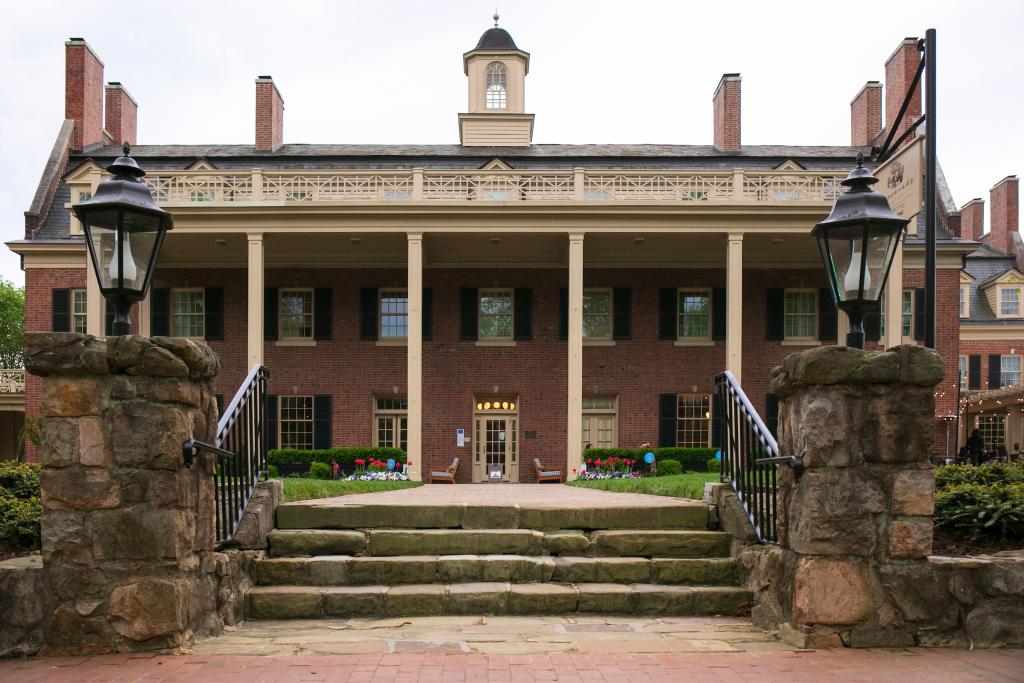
x=93, y=302
x=414, y=357
x=894, y=301
x=574, y=442
x=255, y=303
x=734, y=306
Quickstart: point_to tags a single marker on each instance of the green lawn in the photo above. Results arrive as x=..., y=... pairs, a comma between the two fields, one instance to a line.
x=687, y=485
x=306, y=489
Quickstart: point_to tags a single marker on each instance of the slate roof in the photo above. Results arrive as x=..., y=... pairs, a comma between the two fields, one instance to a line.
x=985, y=264
x=496, y=39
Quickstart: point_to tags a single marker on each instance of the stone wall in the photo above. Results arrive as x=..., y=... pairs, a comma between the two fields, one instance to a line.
x=128, y=531
x=855, y=525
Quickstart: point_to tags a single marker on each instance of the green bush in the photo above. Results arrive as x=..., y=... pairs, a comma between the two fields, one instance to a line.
x=993, y=511
x=345, y=457
x=714, y=465
x=954, y=475
x=272, y=472
x=668, y=468
x=19, y=522
x=19, y=481
x=320, y=470
x=690, y=459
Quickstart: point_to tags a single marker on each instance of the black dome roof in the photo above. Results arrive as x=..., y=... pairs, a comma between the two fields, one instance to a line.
x=496, y=39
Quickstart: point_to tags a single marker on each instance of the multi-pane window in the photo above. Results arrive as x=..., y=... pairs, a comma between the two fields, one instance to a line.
x=296, y=314
x=187, y=313
x=391, y=422
x=963, y=373
x=1009, y=371
x=78, y=311
x=600, y=422
x=394, y=314
x=801, y=313
x=907, y=309
x=694, y=319
x=296, y=422
x=694, y=429
x=497, y=86
x=1009, y=302
x=597, y=314
x=993, y=431
x=496, y=314
x=965, y=310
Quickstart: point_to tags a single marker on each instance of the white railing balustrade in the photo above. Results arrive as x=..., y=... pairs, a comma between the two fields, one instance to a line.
x=12, y=381
x=434, y=185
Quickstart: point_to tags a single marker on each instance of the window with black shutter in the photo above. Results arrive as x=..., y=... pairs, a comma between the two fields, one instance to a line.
x=563, y=314
x=775, y=314
x=270, y=298
x=995, y=370
x=468, y=311
x=667, y=314
x=160, y=312
x=214, y=313
x=323, y=314
x=60, y=310
x=668, y=418
x=270, y=421
x=622, y=313
x=368, y=313
x=974, y=372
x=522, y=302
x=828, y=321
x=428, y=314
x=919, y=314
x=322, y=421
x=873, y=324
x=718, y=313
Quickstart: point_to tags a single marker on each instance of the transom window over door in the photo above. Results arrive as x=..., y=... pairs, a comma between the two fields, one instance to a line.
x=694, y=429
x=597, y=314
x=496, y=314
x=801, y=313
x=694, y=314
x=394, y=314
x=497, y=86
x=296, y=422
x=296, y=314
x=188, y=313
x=391, y=421
x=600, y=422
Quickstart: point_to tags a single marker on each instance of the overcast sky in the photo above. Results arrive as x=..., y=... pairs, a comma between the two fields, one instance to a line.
x=391, y=72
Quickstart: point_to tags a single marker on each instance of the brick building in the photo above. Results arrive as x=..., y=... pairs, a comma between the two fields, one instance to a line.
x=558, y=294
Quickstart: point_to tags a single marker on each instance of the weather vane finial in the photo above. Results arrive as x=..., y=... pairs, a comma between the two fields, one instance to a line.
x=496, y=17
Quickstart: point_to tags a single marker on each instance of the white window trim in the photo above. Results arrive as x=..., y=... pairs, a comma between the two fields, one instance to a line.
x=908, y=294
x=200, y=290
x=704, y=340
x=504, y=86
x=811, y=340
x=999, y=302
x=295, y=341
x=612, y=412
x=965, y=308
x=710, y=417
x=280, y=421
x=397, y=413
x=607, y=340
x=1002, y=363
x=391, y=341
x=495, y=341
x=84, y=316
x=963, y=366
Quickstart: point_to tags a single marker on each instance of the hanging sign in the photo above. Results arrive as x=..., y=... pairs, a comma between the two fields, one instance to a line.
x=901, y=180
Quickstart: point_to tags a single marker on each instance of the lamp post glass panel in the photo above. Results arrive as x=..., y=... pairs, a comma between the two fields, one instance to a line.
x=124, y=230
x=858, y=241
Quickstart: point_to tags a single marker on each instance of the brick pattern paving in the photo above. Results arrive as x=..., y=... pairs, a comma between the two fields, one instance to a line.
x=899, y=666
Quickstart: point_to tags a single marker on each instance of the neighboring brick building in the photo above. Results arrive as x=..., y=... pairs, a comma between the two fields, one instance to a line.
x=566, y=293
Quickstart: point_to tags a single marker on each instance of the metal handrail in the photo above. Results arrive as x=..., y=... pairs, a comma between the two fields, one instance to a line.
x=749, y=457
x=241, y=449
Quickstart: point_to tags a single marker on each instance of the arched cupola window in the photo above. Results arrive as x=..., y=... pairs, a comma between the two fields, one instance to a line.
x=497, y=86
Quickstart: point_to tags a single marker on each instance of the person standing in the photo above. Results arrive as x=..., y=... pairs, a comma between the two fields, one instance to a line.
x=975, y=446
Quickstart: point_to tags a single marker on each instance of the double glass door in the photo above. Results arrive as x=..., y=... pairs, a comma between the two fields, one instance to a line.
x=495, y=447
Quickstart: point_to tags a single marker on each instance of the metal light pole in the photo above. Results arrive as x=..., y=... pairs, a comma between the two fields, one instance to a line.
x=930, y=182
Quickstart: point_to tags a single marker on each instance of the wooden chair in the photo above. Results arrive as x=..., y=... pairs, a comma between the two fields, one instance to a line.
x=447, y=475
x=546, y=473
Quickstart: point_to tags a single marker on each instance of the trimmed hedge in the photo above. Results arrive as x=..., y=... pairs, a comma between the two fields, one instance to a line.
x=345, y=457
x=21, y=509
x=954, y=475
x=983, y=502
x=714, y=465
x=320, y=470
x=689, y=459
x=667, y=468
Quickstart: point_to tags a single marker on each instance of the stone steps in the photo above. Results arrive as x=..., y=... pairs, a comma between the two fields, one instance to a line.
x=401, y=542
x=435, y=599
x=344, y=570
x=329, y=514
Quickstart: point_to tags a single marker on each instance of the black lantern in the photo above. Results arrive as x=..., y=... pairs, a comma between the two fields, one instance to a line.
x=858, y=241
x=124, y=230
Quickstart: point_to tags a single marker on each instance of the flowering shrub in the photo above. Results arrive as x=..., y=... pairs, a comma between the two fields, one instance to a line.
x=610, y=464
x=377, y=475
x=588, y=475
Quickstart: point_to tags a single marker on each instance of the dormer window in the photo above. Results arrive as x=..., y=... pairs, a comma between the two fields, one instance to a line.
x=497, y=86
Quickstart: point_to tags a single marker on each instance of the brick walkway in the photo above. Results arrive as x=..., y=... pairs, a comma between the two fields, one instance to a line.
x=899, y=666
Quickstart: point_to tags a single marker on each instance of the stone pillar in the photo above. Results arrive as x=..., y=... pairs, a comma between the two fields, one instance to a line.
x=414, y=357
x=574, y=423
x=734, y=306
x=858, y=521
x=255, y=309
x=127, y=530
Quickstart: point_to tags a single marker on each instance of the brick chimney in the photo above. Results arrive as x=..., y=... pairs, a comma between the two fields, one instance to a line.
x=899, y=72
x=972, y=219
x=269, y=115
x=727, y=113
x=1003, y=216
x=83, y=93
x=121, y=114
x=866, y=115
